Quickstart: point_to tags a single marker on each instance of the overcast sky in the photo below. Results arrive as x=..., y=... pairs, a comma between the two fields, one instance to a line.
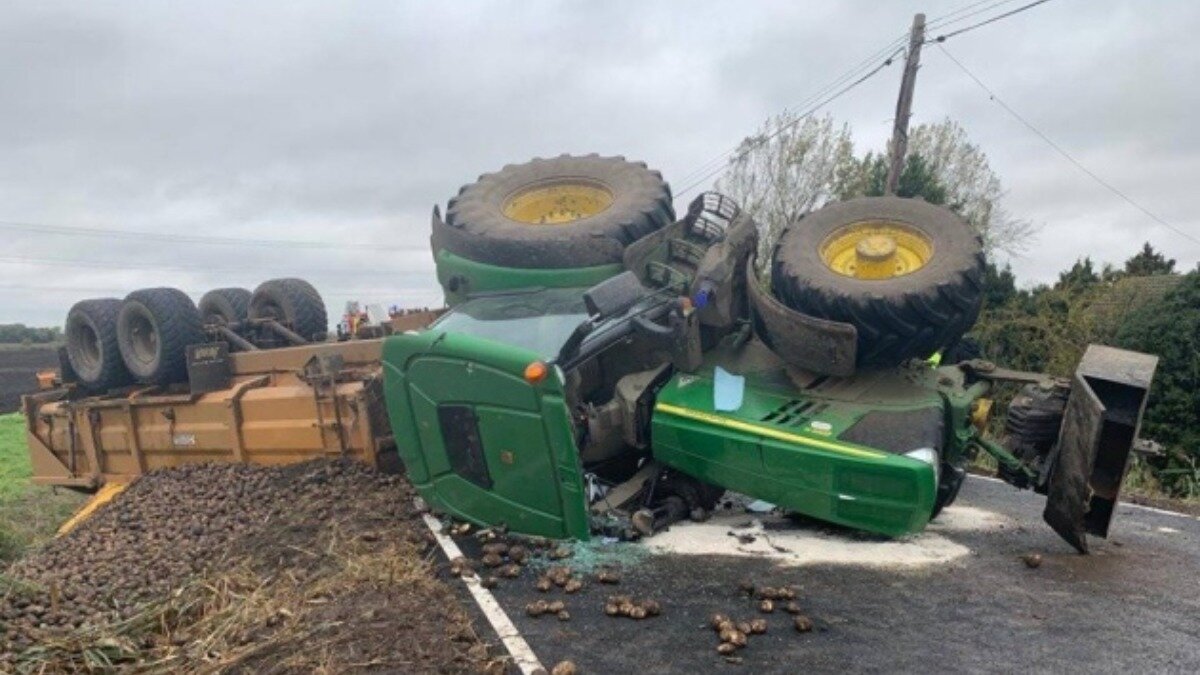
x=346, y=122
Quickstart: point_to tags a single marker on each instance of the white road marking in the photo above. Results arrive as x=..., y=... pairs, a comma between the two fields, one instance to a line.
x=522, y=655
x=1151, y=509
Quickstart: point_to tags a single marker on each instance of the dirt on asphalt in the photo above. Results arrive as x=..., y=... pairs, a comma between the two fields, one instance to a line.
x=18, y=372
x=322, y=566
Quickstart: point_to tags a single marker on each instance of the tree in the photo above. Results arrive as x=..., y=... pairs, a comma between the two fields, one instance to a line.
x=788, y=168
x=796, y=164
x=869, y=179
x=973, y=189
x=1149, y=262
x=1081, y=276
x=999, y=285
x=11, y=333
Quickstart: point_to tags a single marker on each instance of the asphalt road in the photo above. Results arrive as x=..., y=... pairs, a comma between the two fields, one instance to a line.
x=958, y=597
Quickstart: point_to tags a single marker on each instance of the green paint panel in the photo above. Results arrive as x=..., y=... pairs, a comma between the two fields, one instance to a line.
x=524, y=432
x=803, y=471
x=447, y=380
x=476, y=277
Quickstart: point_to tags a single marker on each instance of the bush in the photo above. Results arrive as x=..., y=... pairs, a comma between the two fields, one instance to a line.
x=1047, y=328
x=1170, y=328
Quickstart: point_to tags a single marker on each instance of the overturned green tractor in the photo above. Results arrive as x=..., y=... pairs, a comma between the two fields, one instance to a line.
x=607, y=368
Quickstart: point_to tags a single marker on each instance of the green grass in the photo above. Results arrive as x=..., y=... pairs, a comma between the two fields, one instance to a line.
x=29, y=513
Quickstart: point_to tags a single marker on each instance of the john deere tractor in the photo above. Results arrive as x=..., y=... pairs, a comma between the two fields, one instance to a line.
x=606, y=367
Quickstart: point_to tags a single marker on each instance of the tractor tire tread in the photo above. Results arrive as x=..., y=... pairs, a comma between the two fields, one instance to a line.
x=476, y=228
x=897, y=319
x=301, y=304
x=101, y=314
x=178, y=324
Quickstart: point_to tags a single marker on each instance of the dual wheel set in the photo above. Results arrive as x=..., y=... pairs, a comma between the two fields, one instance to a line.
x=143, y=338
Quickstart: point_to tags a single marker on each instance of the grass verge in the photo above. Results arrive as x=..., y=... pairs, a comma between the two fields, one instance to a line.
x=29, y=514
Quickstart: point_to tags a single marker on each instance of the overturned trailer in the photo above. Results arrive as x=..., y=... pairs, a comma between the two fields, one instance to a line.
x=267, y=407
x=263, y=406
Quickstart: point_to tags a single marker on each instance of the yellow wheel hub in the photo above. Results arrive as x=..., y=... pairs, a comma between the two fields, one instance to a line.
x=558, y=202
x=876, y=249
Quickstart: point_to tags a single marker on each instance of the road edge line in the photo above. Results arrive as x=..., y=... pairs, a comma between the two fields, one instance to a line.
x=1143, y=507
x=516, y=645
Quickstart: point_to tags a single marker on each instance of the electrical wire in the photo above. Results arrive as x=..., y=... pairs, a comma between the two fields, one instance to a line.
x=706, y=169
x=760, y=142
x=1062, y=151
x=720, y=160
x=942, y=38
x=958, y=16
x=72, y=230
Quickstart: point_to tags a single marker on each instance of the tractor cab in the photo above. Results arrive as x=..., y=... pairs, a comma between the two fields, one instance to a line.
x=520, y=407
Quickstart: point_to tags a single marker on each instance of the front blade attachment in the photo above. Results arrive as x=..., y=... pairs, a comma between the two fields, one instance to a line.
x=1103, y=416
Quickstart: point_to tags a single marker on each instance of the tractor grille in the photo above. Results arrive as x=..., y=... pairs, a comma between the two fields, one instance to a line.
x=794, y=413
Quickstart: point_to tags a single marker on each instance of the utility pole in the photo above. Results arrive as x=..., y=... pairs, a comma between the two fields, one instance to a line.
x=904, y=104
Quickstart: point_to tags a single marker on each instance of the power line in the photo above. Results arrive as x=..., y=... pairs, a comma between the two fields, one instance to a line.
x=710, y=167
x=959, y=16
x=1062, y=151
x=105, y=233
x=720, y=159
x=755, y=145
x=960, y=31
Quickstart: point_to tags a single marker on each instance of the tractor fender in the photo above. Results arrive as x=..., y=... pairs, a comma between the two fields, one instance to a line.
x=804, y=341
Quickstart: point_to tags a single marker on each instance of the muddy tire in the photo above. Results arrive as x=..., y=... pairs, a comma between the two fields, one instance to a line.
x=154, y=328
x=225, y=306
x=948, y=488
x=932, y=299
x=555, y=213
x=293, y=303
x=92, y=351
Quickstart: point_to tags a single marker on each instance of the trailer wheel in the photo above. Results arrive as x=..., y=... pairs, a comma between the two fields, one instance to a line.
x=92, y=351
x=225, y=306
x=906, y=274
x=293, y=303
x=569, y=211
x=154, y=328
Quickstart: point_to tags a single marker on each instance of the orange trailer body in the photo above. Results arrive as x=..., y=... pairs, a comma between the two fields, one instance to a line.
x=280, y=406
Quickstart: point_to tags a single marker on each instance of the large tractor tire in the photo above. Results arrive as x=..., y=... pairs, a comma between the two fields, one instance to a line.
x=225, y=306
x=293, y=303
x=92, y=351
x=906, y=274
x=565, y=212
x=154, y=329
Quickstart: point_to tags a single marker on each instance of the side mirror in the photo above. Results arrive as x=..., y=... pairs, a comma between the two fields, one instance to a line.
x=613, y=296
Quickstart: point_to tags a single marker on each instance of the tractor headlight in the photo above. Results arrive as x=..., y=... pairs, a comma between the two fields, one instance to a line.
x=930, y=457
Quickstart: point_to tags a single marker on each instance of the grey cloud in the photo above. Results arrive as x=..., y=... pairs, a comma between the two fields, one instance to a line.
x=347, y=122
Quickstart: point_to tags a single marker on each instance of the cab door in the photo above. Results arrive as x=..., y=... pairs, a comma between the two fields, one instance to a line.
x=479, y=442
